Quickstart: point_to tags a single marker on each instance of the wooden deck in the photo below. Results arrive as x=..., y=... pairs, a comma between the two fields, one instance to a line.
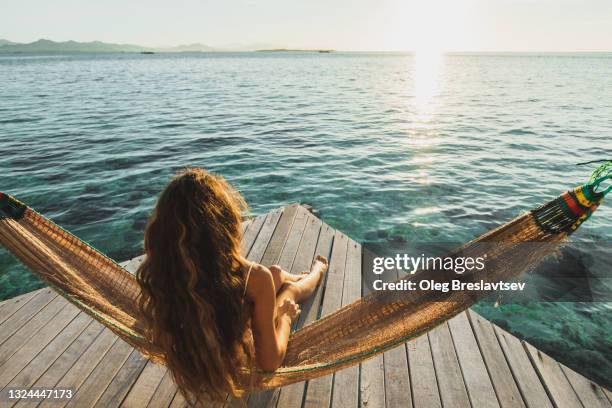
x=47, y=342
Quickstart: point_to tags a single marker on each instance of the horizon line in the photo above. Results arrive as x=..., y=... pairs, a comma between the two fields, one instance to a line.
x=288, y=49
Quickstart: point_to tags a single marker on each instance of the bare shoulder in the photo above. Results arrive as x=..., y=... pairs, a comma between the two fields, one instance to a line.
x=260, y=282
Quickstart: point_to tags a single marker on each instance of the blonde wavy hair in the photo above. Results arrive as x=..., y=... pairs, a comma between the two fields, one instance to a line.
x=193, y=281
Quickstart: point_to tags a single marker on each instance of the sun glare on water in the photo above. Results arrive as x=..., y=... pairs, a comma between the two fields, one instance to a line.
x=427, y=67
x=427, y=33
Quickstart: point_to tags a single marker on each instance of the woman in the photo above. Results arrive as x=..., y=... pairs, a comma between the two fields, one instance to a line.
x=212, y=312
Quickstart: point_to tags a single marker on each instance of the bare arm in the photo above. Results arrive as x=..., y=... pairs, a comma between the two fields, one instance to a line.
x=271, y=325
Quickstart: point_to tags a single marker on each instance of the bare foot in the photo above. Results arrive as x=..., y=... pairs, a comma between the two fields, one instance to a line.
x=309, y=281
x=319, y=266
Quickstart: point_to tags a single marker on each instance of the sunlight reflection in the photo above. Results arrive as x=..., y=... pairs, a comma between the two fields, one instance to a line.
x=421, y=177
x=421, y=139
x=427, y=82
x=427, y=210
x=420, y=160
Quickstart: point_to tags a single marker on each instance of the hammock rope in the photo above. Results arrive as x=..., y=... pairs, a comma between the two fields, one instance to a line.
x=369, y=326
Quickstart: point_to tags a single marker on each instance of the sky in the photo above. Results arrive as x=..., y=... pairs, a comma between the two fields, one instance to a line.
x=359, y=25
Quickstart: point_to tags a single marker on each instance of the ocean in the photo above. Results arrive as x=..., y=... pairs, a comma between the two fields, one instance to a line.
x=387, y=147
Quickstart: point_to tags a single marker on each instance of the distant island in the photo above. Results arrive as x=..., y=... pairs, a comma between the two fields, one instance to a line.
x=323, y=51
x=45, y=46
x=49, y=46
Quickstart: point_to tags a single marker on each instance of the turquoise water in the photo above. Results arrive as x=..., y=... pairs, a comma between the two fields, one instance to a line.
x=386, y=147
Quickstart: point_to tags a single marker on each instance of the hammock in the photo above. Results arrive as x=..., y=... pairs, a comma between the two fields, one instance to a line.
x=371, y=325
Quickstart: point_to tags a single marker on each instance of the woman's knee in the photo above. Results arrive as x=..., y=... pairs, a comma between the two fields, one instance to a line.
x=277, y=275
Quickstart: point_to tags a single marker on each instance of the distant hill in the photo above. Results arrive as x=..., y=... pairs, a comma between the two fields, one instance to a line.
x=195, y=47
x=323, y=51
x=69, y=46
x=48, y=46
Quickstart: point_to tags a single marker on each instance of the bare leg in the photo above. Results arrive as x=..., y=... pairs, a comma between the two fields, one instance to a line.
x=300, y=290
x=281, y=277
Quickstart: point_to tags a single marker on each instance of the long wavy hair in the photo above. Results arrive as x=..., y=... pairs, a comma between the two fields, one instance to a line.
x=193, y=282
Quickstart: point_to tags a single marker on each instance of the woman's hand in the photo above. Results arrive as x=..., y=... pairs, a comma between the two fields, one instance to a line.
x=289, y=308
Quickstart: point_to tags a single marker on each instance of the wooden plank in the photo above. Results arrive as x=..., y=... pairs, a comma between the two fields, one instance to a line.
x=589, y=393
x=558, y=387
x=61, y=366
x=279, y=237
x=10, y=306
x=145, y=386
x=35, y=344
x=292, y=242
x=267, y=229
x=506, y=389
x=307, y=248
x=372, y=371
x=21, y=297
x=475, y=375
x=47, y=354
x=245, y=223
x=450, y=381
x=292, y=395
x=372, y=381
x=318, y=391
x=608, y=394
x=532, y=390
x=258, y=399
x=332, y=295
x=99, y=379
x=85, y=364
x=424, y=385
x=122, y=382
x=30, y=330
x=24, y=315
x=285, y=260
x=164, y=393
x=372, y=387
x=345, y=388
x=250, y=234
x=397, y=376
x=178, y=401
x=312, y=306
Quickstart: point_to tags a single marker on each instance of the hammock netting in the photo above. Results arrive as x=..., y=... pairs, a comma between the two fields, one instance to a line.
x=371, y=325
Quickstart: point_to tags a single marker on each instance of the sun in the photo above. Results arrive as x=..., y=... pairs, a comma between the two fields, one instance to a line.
x=430, y=27
x=428, y=33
